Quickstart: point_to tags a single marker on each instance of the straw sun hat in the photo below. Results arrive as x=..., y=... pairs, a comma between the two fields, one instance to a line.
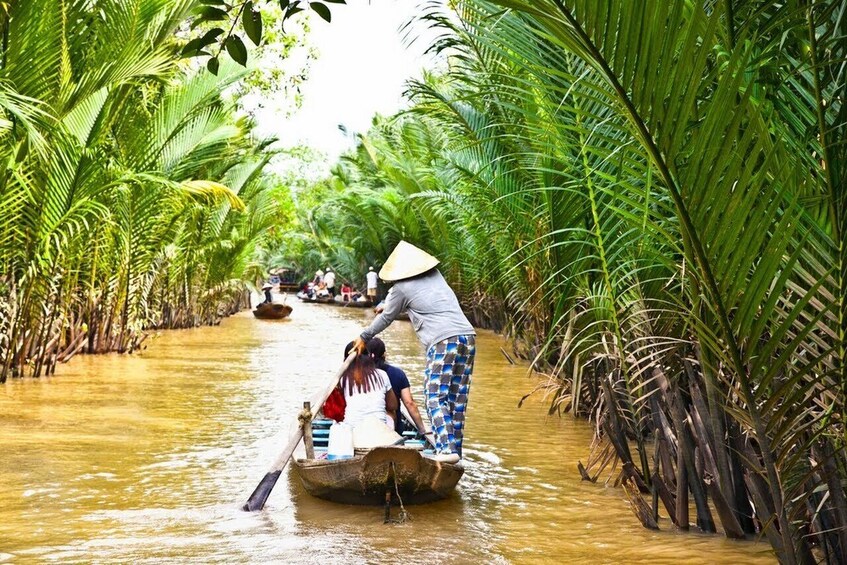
x=266, y=286
x=372, y=432
x=406, y=261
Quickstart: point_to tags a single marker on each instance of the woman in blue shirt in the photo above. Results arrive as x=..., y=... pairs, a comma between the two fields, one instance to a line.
x=399, y=383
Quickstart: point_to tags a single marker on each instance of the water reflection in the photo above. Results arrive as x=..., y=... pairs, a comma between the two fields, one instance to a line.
x=148, y=458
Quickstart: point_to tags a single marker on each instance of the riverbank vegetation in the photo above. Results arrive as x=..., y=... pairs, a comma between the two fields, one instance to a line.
x=131, y=191
x=648, y=197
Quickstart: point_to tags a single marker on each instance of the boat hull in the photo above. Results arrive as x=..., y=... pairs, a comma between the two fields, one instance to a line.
x=365, y=479
x=305, y=298
x=353, y=304
x=272, y=311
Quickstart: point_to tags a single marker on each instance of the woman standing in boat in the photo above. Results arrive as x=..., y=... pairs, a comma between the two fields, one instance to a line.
x=445, y=332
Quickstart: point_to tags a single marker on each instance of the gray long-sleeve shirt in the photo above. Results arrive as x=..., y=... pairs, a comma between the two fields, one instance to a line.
x=432, y=306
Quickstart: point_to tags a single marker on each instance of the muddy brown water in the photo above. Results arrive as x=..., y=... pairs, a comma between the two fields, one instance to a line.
x=147, y=458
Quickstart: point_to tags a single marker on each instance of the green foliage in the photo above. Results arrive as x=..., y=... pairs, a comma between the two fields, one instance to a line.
x=131, y=195
x=236, y=49
x=249, y=15
x=322, y=10
x=252, y=23
x=648, y=196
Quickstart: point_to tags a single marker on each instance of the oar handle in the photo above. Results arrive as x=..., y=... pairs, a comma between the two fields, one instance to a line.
x=263, y=490
x=317, y=404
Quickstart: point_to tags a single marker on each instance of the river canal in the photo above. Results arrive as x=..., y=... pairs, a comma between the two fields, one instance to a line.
x=147, y=458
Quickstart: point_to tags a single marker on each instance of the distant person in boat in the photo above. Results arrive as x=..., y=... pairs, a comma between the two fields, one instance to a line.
x=266, y=288
x=346, y=292
x=367, y=392
x=399, y=384
x=445, y=332
x=322, y=292
x=329, y=281
x=319, y=277
x=309, y=290
x=371, y=284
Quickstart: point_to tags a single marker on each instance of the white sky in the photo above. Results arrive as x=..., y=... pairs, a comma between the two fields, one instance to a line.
x=362, y=64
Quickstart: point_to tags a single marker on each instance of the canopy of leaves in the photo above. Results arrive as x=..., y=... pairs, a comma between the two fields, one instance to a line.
x=650, y=197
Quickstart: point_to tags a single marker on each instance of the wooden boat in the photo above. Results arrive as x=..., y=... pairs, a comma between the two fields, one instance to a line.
x=306, y=298
x=286, y=277
x=353, y=303
x=272, y=311
x=372, y=476
x=289, y=287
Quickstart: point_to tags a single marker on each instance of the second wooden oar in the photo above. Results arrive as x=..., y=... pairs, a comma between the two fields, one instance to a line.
x=263, y=491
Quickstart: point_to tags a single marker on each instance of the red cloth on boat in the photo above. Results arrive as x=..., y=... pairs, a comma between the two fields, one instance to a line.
x=335, y=405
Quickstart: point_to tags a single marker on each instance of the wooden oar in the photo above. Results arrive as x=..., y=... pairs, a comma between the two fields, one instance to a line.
x=263, y=491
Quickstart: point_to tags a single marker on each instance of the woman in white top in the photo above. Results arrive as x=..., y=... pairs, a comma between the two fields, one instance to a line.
x=367, y=392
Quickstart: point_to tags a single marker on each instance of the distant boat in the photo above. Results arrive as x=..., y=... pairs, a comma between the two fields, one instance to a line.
x=267, y=311
x=286, y=277
x=369, y=475
x=306, y=298
x=353, y=303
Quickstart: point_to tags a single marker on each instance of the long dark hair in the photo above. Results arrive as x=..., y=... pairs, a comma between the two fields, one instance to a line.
x=361, y=373
x=376, y=349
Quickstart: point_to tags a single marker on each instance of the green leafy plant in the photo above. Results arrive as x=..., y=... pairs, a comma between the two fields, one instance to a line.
x=247, y=15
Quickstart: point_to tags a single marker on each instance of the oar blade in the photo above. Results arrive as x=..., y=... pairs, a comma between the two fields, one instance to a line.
x=263, y=491
x=257, y=500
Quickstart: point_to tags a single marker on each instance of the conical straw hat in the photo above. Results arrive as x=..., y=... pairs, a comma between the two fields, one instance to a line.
x=372, y=432
x=406, y=261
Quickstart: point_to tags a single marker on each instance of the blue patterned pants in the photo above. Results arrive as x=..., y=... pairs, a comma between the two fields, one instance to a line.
x=447, y=380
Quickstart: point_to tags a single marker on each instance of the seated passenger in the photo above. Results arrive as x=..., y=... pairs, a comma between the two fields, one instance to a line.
x=346, y=292
x=367, y=392
x=322, y=292
x=399, y=384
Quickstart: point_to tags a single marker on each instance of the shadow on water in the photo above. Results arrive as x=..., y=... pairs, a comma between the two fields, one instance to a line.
x=147, y=458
